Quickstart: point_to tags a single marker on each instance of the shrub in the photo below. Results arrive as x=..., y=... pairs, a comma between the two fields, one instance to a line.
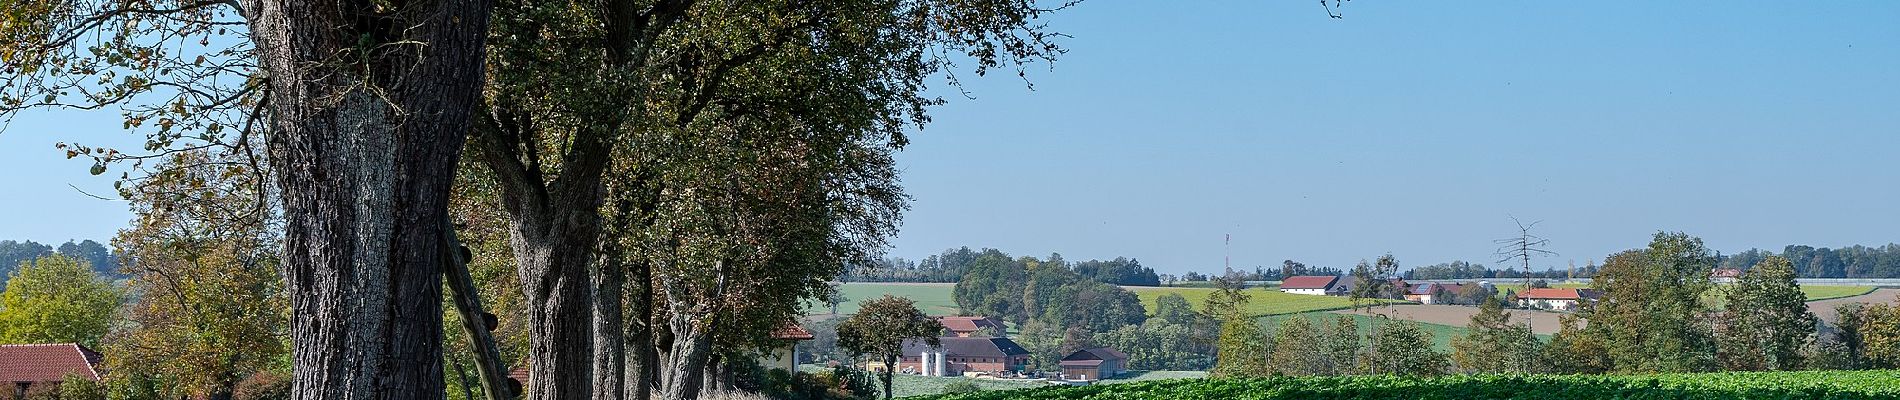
x=961, y=386
x=265, y=385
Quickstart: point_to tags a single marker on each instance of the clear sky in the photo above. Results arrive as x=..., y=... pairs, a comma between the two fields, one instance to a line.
x=1409, y=128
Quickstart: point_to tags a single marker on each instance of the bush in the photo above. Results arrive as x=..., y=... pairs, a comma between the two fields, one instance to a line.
x=77, y=388
x=265, y=385
x=961, y=386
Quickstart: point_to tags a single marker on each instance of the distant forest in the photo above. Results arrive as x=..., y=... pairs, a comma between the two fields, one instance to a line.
x=1809, y=262
x=952, y=264
x=1853, y=262
x=14, y=253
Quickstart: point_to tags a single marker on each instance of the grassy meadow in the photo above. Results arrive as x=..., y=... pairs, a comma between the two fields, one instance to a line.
x=1265, y=301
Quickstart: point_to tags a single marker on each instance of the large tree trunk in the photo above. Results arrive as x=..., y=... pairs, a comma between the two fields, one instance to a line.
x=683, y=370
x=610, y=357
x=562, y=338
x=555, y=227
x=642, y=369
x=368, y=109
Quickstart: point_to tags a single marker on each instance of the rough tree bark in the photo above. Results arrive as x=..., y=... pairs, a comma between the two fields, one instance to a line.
x=554, y=228
x=368, y=108
x=610, y=357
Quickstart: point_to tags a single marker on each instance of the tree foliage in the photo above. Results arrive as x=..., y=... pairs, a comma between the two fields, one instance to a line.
x=880, y=329
x=1651, y=314
x=1494, y=344
x=1765, y=322
x=210, y=309
x=57, y=299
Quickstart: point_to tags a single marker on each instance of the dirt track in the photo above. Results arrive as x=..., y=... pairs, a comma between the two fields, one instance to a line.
x=1825, y=308
x=1542, y=322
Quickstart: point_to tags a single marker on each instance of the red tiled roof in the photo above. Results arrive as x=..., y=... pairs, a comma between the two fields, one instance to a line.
x=1307, y=282
x=46, y=362
x=968, y=324
x=791, y=331
x=1550, y=294
x=1726, y=273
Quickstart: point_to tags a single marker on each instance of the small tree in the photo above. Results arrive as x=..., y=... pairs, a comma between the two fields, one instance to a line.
x=1493, y=344
x=57, y=299
x=880, y=328
x=1400, y=347
x=1297, y=349
x=1243, y=349
x=1765, y=320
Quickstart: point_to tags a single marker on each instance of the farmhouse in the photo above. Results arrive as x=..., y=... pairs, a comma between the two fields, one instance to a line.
x=1550, y=299
x=1433, y=293
x=968, y=326
x=961, y=356
x=785, y=354
x=1093, y=364
x=1308, y=284
x=22, y=365
x=1725, y=275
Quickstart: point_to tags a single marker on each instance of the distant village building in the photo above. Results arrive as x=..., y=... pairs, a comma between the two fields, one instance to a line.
x=1725, y=275
x=1555, y=299
x=956, y=356
x=1316, y=285
x=22, y=365
x=1094, y=364
x=1433, y=293
x=969, y=326
x=785, y=355
x=1343, y=286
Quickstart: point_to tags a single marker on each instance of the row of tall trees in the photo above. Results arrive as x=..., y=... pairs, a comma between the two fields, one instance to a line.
x=671, y=177
x=1855, y=261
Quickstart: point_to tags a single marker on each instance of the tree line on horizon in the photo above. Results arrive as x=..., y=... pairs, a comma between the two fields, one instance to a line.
x=951, y=266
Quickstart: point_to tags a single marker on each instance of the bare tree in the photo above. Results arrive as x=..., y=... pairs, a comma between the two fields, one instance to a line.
x=1522, y=247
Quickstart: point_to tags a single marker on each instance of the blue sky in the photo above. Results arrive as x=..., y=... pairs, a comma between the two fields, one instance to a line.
x=1408, y=128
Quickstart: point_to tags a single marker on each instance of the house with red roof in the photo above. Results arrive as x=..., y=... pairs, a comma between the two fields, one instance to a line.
x=22, y=365
x=1316, y=285
x=1725, y=275
x=1565, y=299
x=969, y=326
x=954, y=356
x=1094, y=364
x=785, y=355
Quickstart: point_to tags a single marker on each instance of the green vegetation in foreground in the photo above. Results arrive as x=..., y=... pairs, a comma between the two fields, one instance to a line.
x=931, y=298
x=1822, y=292
x=1441, y=334
x=1724, y=385
x=1142, y=376
x=912, y=385
x=1264, y=302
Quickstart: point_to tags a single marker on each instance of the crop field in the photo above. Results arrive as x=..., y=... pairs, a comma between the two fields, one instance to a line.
x=931, y=298
x=1441, y=334
x=1726, y=385
x=1265, y=301
x=1821, y=292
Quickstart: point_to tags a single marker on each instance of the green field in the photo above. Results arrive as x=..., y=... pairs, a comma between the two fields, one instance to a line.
x=932, y=298
x=1265, y=301
x=1814, y=292
x=1820, y=292
x=1441, y=334
x=1725, y=385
